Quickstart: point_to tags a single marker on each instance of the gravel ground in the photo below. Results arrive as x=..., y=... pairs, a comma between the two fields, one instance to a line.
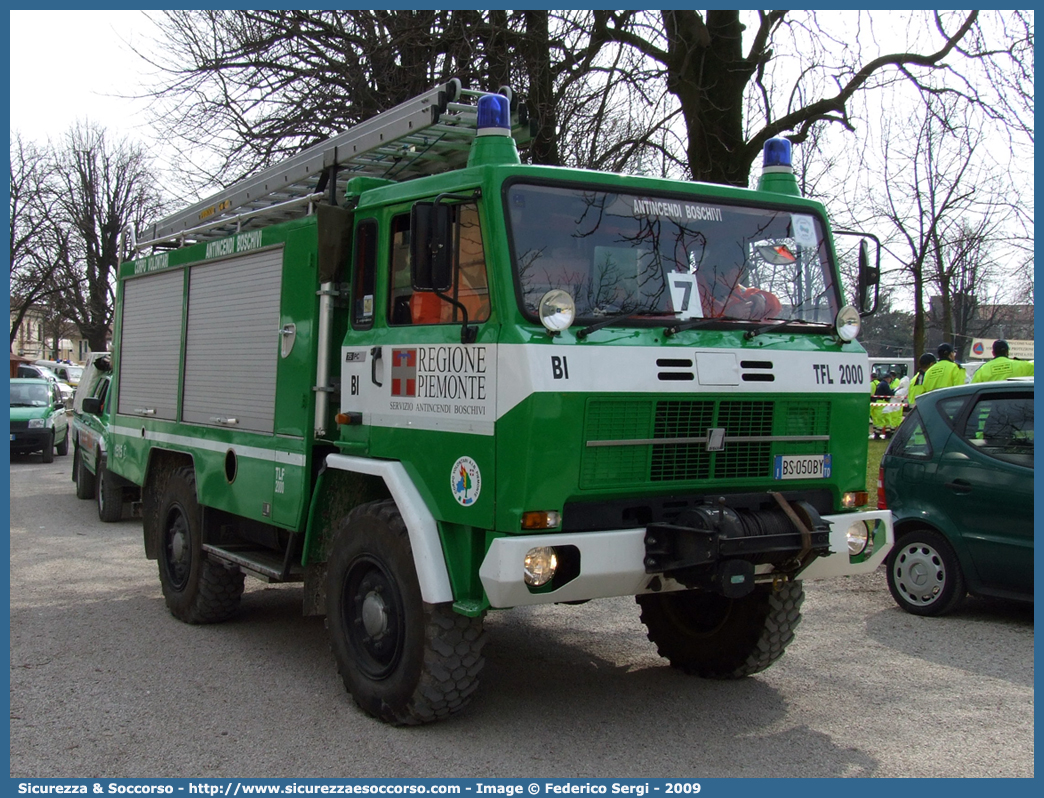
x=105, y=683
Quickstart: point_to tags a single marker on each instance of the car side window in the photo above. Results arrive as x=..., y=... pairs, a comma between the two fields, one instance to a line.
x=950, y=409
x=1002, y=427
x=911, y=440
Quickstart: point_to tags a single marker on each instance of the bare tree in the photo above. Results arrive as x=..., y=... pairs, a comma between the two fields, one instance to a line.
x=256, y=86
x=36, y=241
x=946, y=207
x=102, y=187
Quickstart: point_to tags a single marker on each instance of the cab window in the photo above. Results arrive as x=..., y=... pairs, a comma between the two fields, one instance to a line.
x=365, y=274
x=470, y=284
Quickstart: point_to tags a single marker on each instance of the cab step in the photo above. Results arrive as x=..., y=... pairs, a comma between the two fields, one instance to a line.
x=259, y=562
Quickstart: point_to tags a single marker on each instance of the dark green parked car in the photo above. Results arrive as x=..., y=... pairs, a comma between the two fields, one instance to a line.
x=958, y=478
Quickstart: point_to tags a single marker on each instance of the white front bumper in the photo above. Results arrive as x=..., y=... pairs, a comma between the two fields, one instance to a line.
x=612, y=562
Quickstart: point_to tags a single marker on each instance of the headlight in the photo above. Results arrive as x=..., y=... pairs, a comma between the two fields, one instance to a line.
x=860, y=539
x=557, y=310
x=539, y=566
x=36, y=423
x=847, y=323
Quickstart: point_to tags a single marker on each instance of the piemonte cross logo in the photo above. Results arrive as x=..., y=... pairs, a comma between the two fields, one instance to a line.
x=404, y=372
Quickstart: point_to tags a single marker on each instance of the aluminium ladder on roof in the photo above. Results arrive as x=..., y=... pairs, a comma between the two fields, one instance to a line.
x=429, y=134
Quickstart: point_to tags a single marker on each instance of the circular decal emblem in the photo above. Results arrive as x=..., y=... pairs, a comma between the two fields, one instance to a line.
x=466, y=481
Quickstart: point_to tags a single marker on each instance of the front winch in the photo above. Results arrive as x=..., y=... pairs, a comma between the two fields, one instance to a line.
x=715, y=547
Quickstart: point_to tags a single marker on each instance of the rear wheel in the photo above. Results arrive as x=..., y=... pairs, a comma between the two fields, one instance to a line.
x=63, y=447
x=196, y=589
x=709, y=635
x=924, y=575
x=85, y=484
x=403, y=661
x=109, y=494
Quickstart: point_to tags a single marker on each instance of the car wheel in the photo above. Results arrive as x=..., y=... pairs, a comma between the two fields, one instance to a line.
x=63, y=447
x=110, y=495
x=195, y=588
x=85, y=485
x=709, y=635
x=404, y=661
x=47, y=453
x=924, y=576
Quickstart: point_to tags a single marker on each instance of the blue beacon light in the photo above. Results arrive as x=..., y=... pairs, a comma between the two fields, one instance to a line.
x=494, y=115
x=777, y=153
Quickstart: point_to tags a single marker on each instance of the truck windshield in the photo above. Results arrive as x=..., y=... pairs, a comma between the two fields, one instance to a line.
x=668, y=258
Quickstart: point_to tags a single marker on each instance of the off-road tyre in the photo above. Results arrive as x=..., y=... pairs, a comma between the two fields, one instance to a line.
x=402, y=660
x=47, y=453
x=195, y=588
x=924, y=575
x=706, y=634
x=63, y=447
x=109, y=494
x=85, y=482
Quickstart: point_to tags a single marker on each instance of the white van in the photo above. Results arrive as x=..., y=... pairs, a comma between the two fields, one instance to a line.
x=902, y=366
x=66, y=372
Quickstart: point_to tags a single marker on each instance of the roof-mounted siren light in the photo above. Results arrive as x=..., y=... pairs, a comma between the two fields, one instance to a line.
x=494, y=115
x=777, y=168
x=493, y=144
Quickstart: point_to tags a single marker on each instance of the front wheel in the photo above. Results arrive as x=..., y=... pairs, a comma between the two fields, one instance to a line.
x=109, y=494
x=403, y=661
x=924, y=576
x=196, y=589
x=85, y=483
x=709, y=635
x=47, y=453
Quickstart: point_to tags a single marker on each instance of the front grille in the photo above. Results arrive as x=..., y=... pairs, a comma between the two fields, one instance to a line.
x=626, y=433
x=19, y=425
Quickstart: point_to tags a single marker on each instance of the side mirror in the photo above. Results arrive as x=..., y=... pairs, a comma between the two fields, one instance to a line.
x=430, y=234
x=869, y=274
x=92, y=405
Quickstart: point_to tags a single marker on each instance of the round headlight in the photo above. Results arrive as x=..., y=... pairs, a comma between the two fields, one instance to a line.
x=860, y=539
x=539, y=566
x=847, y=323
x=557, y=310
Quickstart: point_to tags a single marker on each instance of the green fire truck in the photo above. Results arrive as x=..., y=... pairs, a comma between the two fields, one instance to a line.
x=426, y=381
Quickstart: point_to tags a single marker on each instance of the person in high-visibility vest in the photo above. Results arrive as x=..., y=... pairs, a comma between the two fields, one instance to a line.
x=1002, y=366
x=946, y=372
x=893, y=417
x=925, y=362
x=880, y=392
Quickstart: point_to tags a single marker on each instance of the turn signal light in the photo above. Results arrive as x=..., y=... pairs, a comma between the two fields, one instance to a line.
x=541, y=519
x=855, y=498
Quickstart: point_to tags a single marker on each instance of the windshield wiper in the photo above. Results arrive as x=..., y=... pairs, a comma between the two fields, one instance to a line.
x=590, y=328
x=689, y=324
x=780, y=325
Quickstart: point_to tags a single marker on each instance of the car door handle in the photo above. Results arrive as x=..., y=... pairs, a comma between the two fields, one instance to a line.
x=375, y=355
x=959, y=486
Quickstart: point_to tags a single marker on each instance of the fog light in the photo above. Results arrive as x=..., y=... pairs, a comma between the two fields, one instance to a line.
x=860, y=539
x=856, y=498
x=540, y=565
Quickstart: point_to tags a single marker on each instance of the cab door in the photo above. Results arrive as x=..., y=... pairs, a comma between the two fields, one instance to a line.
x=426, y=373
x=362, y=373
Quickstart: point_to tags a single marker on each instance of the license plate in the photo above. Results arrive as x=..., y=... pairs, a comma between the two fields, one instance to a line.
x=802, y=466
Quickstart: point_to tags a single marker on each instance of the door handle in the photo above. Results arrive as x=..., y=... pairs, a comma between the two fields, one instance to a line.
x=375, y=355
x=959, y=486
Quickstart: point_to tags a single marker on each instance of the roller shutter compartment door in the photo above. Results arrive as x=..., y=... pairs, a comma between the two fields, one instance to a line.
x=232, y=342
x=150, y=345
